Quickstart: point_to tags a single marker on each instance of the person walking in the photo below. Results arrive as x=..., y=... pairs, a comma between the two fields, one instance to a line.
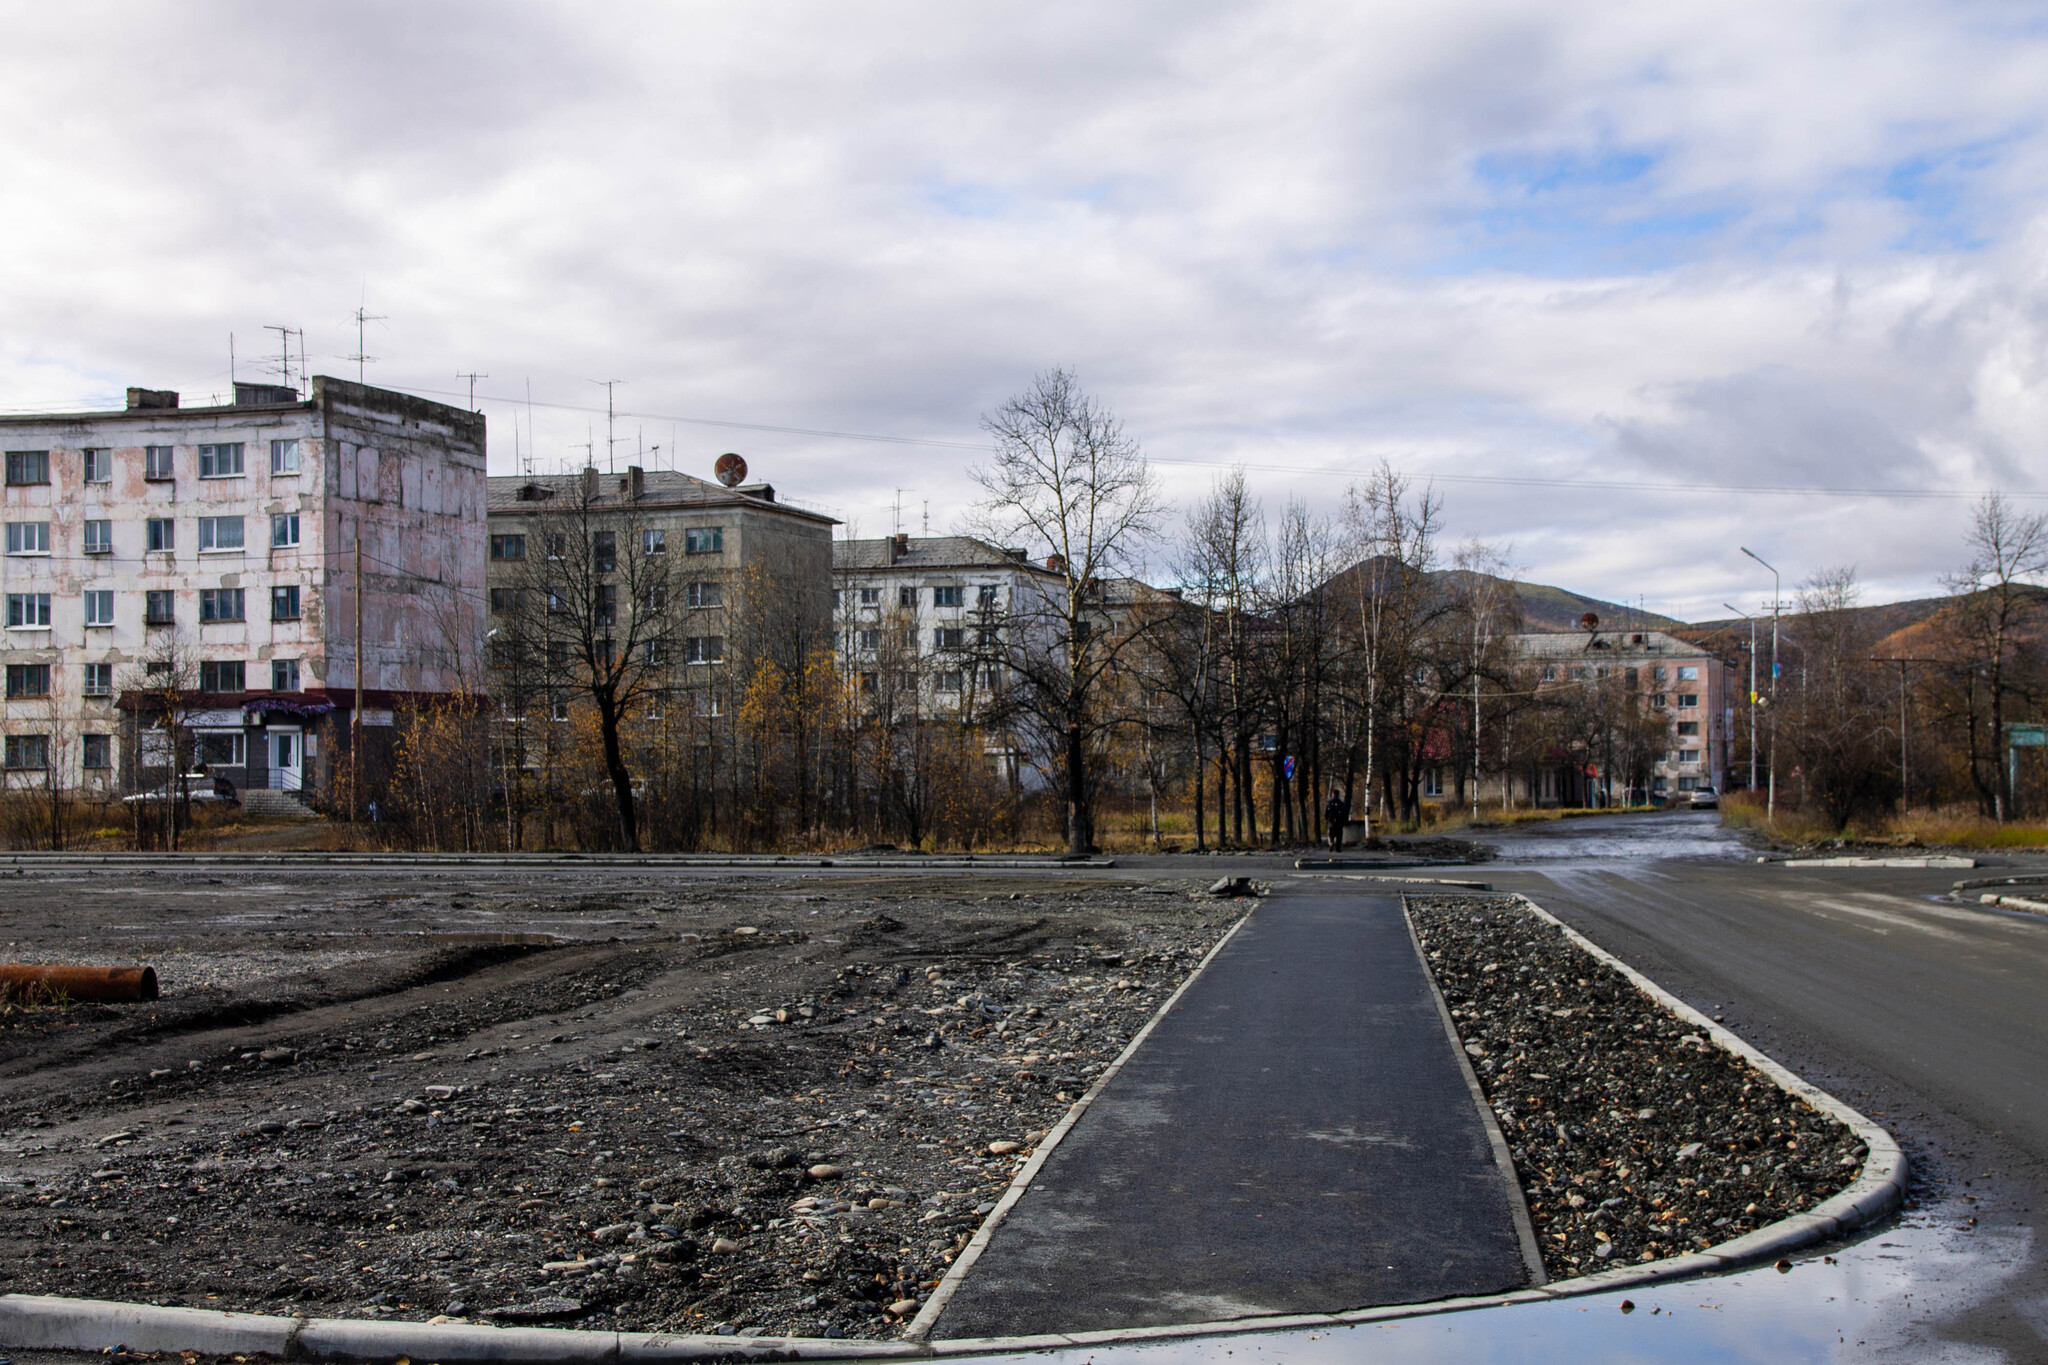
x=1336, y=813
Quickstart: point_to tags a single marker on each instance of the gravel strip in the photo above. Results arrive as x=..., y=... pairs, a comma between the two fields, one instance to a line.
x=1634, y=1137
x=782, y=1108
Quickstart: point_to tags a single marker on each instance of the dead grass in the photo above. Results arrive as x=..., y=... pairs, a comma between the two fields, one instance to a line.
x=1951, y=828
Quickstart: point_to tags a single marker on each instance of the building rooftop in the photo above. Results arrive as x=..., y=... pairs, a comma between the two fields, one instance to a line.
x=927, y=554
x=511, y=494
x=164, y=405
x=1606, y=644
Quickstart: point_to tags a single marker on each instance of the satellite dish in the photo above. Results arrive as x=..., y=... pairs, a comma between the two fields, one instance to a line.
x=730, y=469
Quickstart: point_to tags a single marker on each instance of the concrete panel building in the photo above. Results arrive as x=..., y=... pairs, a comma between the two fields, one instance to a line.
x=210, y=553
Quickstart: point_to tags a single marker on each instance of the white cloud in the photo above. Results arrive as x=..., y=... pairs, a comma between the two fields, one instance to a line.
x=1747, y=243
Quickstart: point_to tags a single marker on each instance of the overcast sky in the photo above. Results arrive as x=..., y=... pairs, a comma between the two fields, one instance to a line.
x=1601, y=270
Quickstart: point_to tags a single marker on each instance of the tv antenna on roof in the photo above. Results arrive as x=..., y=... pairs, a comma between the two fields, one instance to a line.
x=611, y=462
x=363, y=317
x=284, y=336
x=472, y=377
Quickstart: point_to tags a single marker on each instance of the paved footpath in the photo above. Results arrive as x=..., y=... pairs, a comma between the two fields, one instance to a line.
x=1295, y=1136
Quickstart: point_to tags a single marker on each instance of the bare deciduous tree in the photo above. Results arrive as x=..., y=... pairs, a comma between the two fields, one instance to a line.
x=1990, y=626
x=1066, y=481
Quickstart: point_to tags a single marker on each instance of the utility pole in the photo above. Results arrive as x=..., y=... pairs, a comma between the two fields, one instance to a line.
x=611, y=462
x=355, y=717
x=1752, y=689
x=1905, y=772
x=472, y=378
x=1771, y=803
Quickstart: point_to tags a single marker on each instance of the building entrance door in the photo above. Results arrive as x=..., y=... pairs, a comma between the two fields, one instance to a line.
x=287, y=759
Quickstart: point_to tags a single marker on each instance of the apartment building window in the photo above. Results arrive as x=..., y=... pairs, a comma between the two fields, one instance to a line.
x=284, y=530
x=159, y=607
x=653, y=541
x=1550, y=672
x=871, y=597
x=907, y=598
x=951, y=680
x=28, y=537
x=704, y=595
x=985, y=598
x=870, y=683
x=987, y=636
x=604, y=550
x=220, y=604
x=99, y=607
x=948, y=637
x=868, y=639
x=221, y=461
x=704, y=649
x=945, y=597
x=1660, y=672
x=28, y=611
x=284, y=456
x=558, y=545
x=1689, y=673
x=284, y=675
x=607, y=604
x=221, y=748
x=704, y=540
x=1433, y=782
x=28, y=751
x=99, y=680
x=657, y=707
x=98, y=463
x=160, y=535
x=653, y=599
x=28, y=680
x=28, y=466
x=559, y=708
x=1688, y=727
x=1688, y=755
x=99, y=537
x=504, y=601
x=284, y=603
x=558, y=603
x=226, y=676
x=991, y=679
x=96, y=752
x=1659, y=701
x=220, y=534
x=654, y=653
x=508, y=547
x=1688, y=699
x=156, y=462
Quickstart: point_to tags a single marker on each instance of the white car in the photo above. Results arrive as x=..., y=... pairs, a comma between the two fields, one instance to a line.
x=1705, y=798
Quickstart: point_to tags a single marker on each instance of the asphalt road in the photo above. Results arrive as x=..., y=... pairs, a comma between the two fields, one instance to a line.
x=1296, y=1135
x=1929, y=1015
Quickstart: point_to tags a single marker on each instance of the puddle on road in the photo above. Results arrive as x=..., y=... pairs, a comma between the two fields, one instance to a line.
x=1629, y=838
x=1883, y=1299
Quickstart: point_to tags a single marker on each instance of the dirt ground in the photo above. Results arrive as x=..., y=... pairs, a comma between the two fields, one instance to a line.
x=646, y=1102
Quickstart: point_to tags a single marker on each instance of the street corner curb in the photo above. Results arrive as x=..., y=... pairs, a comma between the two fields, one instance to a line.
x=1876, y=1193
x=51, y=1323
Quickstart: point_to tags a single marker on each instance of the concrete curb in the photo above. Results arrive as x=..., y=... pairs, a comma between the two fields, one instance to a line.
x=928, y=1316
x=41, y=1322
x=1876, y=1192
x=1936, y=860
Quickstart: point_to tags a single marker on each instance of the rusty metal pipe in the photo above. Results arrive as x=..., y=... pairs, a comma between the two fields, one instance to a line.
x=97, y=985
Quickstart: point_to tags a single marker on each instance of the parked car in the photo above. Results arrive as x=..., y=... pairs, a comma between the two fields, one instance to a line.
x=1705, y=798
x=200, y=789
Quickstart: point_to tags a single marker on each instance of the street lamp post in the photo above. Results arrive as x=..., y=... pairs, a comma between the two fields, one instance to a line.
x=1905, y=772
x=1771, y=802
x=1752, y=689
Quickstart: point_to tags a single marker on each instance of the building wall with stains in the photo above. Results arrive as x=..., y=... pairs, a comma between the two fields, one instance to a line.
x=202, y=539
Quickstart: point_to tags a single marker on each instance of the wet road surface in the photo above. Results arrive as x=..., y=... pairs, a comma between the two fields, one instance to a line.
x=1296, y=1135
